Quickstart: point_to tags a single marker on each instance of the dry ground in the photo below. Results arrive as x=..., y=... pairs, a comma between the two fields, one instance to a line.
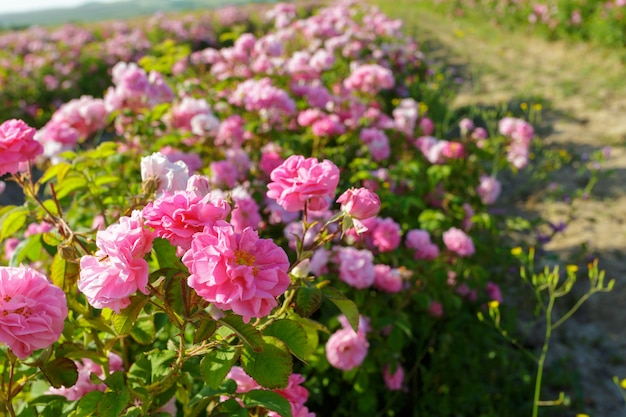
x=585, y=89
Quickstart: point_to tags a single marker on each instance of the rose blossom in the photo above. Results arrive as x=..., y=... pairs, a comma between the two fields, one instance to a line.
x=387, y=278
x=17, y=145
x=298, y=181
x=356, y=267
x=493, y=292
x=32, y=310
x=177, y=217
x=171, y=176
x=83, y=385
x=458, y=242
x=347, y=349
x=237, y=271
x=386, y=234
x=488, y=189
x=359, y=203
x=393, y=381
x=117, y=270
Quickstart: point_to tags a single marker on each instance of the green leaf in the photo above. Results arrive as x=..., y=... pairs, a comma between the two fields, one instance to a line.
x=347, y=306
x=431, y=219
x=70, y=184
x=271, y=367
x=216, y=364
x=161, y=362
x=29, y=248
x=165, y=254
x=205, y=329
x=59, y=170
x=308, y=300
x=292, y=334
x=63, y=273
x=115, y=381
x=229, y=408
x=246, y=332
x=143, y=331
x=112, y=403
x=60, y=372
x=12, y=221
x=269, y=400
x=87, y=405
x=124, y=320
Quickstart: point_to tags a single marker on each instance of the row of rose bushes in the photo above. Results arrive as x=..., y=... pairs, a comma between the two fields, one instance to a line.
x=183, y=241
x=42, y=68
x=600, y=21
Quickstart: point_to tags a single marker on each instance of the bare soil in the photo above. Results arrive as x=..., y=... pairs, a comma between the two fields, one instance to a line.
x=585, y=91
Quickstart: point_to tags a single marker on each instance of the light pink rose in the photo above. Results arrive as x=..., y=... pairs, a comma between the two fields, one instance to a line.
x=359, y=203
x=171, y=176
x=118, y=269
x=347, y=349
x=245, y=214
x=458, y=242
x=298, y=181
x=356, y=267
x=488, y=189
x=177, y=217
x=395, y=381
x=32, y=310
x=83, y=385
x=17, y=145
x=237, y=271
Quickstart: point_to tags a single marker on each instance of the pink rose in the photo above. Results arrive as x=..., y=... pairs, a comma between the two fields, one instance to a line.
x=177, y=217
x=393, y=381
x=32, y=310
x=356, y=267
x=493, y=292
x=118, y=269
x=458, y=242
x=17, y=145
x=387, y=279
x=488, y=189
x=245, y=214
x=386, y=235
x=347, y=349
x=298, y=181
x=359, y=203
x=435, y=309
x=237, y=271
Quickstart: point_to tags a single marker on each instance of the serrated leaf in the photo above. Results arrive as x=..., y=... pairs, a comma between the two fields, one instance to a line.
x=345, y=305
x=12, y=221
x=87, y=405
x=60, y=372
x=292, y=334
x=115, y=381
x=271, y=367
x=124, y=320
x=112, y=403
x=165, y=254
x=308, y=300
x=63, y=273
x=216, y=364
x=144, y=332
x=161, y=362
x=229, y=408
x=59, y=170
x=269, y=400
x=246, y=332
x=205, y=329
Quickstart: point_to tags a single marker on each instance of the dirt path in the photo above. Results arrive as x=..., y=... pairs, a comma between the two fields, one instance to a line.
x=585, y=90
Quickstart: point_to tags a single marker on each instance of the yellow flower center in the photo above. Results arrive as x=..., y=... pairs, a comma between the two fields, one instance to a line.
x=244, y=258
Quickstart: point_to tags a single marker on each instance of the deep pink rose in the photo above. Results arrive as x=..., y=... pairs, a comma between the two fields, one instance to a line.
x=387, y=278
x=359, y=203
x=298, y=181
x=237, y=271
x=17, y=145
x=118, y=269
x=386, y=235
x=177, y=217
x=458, y=242
x=32, y=310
